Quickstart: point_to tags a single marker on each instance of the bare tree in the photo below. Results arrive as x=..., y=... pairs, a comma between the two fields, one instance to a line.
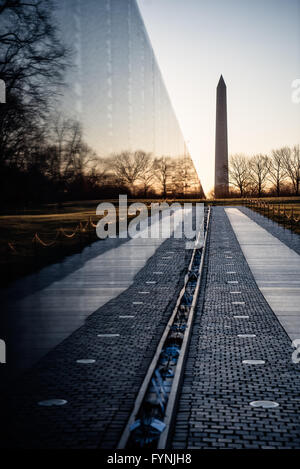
x=291, y=161
x=177, y=179
x=277, y=172
x=89, y=172
x=98, y=171
x=147, y=179
x=183, y=176
x=32, y=65
x=85, y=161
x=239, y=173
x=259, y=171
x=70, y=159
x=129, y=167
x=32, y=59
x=162, y=172
x=65, y=136
x=75, y=153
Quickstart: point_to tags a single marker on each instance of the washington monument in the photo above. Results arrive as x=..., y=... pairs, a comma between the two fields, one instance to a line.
x=221, y=156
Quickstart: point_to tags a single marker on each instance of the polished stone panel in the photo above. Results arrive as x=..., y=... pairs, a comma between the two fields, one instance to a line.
x=115, y=88
x=35, y=323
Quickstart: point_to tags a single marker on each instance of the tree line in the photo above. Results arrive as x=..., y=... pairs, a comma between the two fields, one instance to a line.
x=59, y=166
x=277, y=174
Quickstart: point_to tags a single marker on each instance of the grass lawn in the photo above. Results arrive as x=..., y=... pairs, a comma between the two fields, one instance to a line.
x=286, y=213
x=20, y=256
x=273, y=200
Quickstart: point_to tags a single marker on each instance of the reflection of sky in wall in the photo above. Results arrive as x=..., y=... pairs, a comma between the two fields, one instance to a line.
x=255, y=44
x=116, y=89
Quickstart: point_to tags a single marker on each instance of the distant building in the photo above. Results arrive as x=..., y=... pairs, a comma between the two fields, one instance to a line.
x=221, y=155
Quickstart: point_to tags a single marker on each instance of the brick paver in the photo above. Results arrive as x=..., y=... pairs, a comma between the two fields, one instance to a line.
x=101, y=395
x=214, y=410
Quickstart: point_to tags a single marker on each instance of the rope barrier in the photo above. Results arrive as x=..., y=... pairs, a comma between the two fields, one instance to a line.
x=69, y=235
x=12, y=247
x=82, y=227
x=93, y=225
x=36, y=239
x=276, y=210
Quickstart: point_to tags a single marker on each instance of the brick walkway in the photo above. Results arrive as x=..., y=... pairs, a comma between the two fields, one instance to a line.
x=214, y=410
x=101, y=395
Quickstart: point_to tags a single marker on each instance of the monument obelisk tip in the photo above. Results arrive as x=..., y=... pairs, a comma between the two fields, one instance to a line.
x=221, y=81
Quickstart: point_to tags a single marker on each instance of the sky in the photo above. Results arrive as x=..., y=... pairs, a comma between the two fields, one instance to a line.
x=255, y=45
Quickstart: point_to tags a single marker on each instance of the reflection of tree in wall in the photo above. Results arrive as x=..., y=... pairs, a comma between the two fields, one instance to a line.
x=32, y=64
x=185, y=180
x=43, y=155
x=164, y=176
x=131, y=167
x=162, y=172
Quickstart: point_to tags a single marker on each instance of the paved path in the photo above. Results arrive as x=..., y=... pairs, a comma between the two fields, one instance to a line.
x=39, y=319
x=235, y=323
x=275, y=267
x=287, y=236
x=100, y=395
